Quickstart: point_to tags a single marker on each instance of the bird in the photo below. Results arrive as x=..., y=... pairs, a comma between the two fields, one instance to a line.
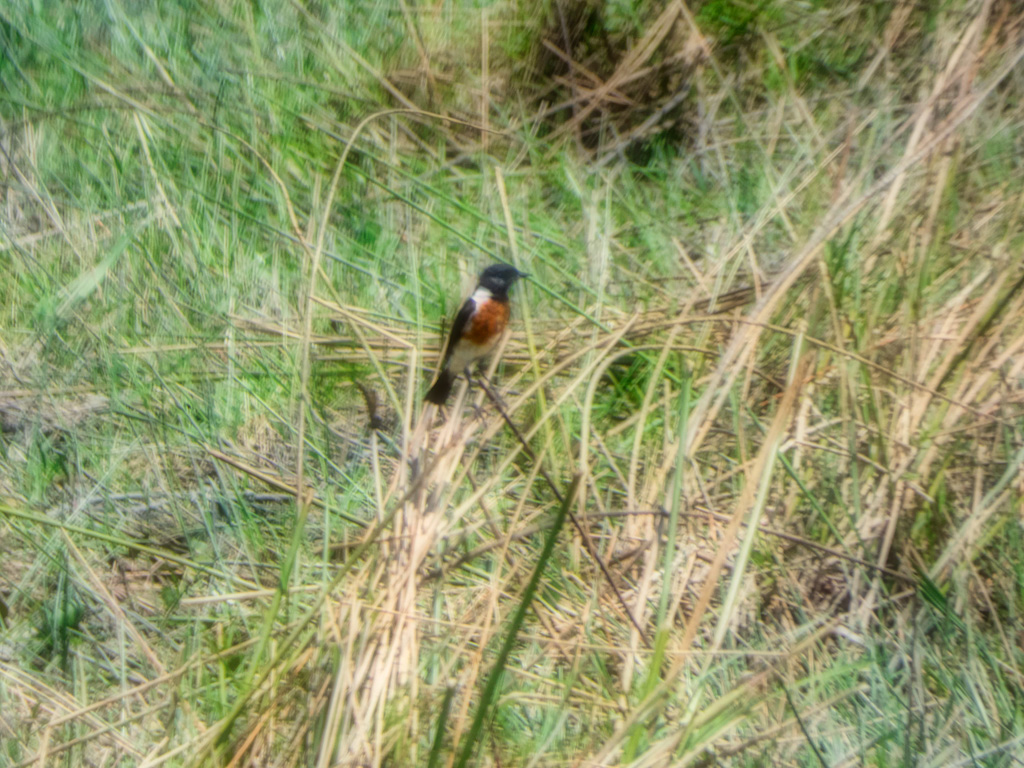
x=477, y=328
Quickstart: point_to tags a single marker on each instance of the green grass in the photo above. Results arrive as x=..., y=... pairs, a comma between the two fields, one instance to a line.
x=793, y=298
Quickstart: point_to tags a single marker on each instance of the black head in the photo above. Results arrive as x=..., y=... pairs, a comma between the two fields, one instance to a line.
x=498, y=278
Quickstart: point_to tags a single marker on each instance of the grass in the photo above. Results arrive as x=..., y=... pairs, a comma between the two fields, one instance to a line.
x=773, y=330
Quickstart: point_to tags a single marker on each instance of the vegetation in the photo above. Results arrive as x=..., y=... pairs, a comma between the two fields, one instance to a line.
x=742, y=488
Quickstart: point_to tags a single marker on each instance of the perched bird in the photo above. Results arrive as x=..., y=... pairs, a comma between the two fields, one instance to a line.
x=477, y=327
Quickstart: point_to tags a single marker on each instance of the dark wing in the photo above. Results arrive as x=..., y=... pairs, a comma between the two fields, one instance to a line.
x=458, y=326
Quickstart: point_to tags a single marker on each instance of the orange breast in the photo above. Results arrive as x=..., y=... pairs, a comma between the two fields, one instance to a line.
x=487, y=323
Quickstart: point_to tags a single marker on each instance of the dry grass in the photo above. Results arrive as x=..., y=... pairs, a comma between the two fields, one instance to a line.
x=768, y=364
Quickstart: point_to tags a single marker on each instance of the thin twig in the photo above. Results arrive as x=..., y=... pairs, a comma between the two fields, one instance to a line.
x=584, y=534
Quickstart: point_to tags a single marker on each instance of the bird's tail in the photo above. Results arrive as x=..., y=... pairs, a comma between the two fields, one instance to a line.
x=438, y=393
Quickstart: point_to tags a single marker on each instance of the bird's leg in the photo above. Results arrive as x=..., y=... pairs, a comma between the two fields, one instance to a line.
x=490, y=390
x=469, y=388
